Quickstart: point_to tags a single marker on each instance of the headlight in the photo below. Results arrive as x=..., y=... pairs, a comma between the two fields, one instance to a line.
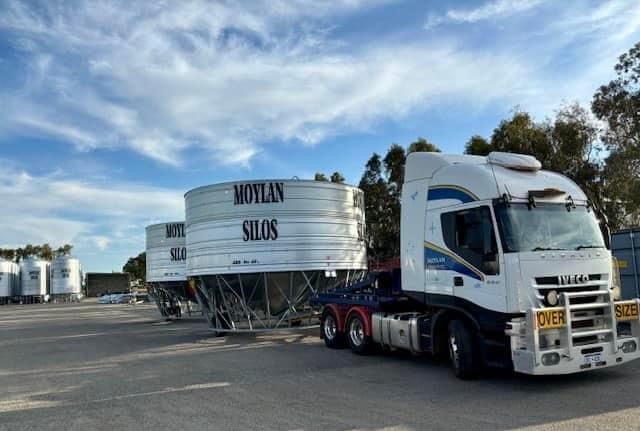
x=550, y=359
x=629, y=346
x=551, y=298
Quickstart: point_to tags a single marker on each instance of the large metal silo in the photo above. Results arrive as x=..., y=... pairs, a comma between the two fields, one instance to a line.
x=66, y=278
x=166, y=268
x=9, y=277
x=34, y=279
x=257, y=250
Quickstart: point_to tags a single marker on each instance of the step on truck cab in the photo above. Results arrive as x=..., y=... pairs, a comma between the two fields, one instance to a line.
x=501, y=263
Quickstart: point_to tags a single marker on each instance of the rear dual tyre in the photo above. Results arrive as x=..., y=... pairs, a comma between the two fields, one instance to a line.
x=333, y=338
x=359, y=342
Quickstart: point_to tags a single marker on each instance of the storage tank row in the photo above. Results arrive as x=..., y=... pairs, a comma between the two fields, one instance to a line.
x=255, y=251
x=35, y=278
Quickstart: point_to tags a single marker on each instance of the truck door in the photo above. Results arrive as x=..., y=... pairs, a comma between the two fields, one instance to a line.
x=476, y=274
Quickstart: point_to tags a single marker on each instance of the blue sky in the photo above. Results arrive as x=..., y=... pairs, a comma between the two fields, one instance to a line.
x=110, y=111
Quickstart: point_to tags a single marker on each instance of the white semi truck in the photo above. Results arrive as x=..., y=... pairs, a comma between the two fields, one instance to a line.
x=501, y=263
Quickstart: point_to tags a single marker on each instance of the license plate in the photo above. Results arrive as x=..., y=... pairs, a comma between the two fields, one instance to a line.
x=593, y=358
x=627, y=310
x=551, y=318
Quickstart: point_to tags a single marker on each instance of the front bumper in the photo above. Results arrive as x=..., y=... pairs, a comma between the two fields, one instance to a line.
x=563, y=349
x=574, y=360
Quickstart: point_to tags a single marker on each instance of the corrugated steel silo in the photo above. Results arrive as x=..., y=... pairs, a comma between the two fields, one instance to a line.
x=9, y=277
x=257, y=250
x=34, y=277
x=166, y=268
x=66, y=276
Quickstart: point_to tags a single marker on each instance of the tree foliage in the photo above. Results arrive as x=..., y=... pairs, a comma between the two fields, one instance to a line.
x=336, y=177
x=374, y=187
x=382, y=183
x=44, y=251
x=478, y=146
x=137, y=267
x=520, y=134
x=617, y=104
x=422, y=145
x=571, y=143
x=568, y=144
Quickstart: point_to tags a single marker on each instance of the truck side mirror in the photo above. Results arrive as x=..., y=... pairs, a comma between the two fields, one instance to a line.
x=490, y=264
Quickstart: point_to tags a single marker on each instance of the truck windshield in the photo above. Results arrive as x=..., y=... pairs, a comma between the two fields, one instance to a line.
x=547, y=227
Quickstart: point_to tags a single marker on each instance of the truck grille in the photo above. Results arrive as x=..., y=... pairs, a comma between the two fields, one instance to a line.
x=542, y=281
x=587, y=322
x=544, y=285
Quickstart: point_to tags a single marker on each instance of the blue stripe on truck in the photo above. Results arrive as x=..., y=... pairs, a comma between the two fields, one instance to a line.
x=437, y=258
x=451, y=192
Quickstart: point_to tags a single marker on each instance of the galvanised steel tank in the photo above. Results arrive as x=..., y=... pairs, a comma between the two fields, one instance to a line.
x=257, y=250
x=66, y=276
x=34, y=277
x=9, y=277
x=166, y=254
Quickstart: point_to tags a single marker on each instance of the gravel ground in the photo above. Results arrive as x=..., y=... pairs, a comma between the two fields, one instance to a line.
x=106, y=367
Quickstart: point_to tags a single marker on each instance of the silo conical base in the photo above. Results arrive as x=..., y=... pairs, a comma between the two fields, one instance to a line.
x=174, y=299
x=265, y=301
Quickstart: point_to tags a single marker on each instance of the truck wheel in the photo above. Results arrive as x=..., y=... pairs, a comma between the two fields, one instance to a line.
x=359, y=342
x=462, y=350
x=329, y=330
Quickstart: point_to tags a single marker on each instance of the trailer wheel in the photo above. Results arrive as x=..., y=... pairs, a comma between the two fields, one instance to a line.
x=462, y=350
x=333, y=338
x=359, y=342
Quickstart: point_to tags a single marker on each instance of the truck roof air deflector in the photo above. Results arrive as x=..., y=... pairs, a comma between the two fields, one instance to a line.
x=519, y=162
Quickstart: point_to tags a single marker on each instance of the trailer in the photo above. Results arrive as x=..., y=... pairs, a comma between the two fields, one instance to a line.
x=502, y=264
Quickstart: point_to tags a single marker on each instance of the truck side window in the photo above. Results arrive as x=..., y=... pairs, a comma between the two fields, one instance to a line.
x=469, y=233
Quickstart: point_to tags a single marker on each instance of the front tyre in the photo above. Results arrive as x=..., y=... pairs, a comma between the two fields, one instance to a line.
x=329, y=330
x=359, y=342
x=462, y=350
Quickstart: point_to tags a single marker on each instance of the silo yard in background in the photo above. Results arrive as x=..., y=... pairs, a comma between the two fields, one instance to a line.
x=35, y=280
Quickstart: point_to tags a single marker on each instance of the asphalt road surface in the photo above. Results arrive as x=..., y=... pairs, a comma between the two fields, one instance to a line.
x=109, y=367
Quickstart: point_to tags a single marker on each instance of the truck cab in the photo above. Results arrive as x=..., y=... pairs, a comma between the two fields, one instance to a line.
x=501, y=263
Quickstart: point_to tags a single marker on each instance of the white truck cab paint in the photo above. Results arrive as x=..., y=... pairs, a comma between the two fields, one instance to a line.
x=501, y=263
x=503, y=238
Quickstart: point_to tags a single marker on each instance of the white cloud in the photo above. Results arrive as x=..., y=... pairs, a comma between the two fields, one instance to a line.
x=491, y=10
x=83, y=140
x=102, y=242
x=93, y=216
x=160, y=79
x=212, y=76
x=228, y=77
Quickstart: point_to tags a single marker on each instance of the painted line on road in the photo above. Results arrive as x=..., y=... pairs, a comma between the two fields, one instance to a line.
x=22, y=404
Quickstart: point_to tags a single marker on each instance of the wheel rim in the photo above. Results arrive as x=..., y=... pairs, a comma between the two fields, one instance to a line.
x=454, y=354
x=329, y=327
x=356, y=332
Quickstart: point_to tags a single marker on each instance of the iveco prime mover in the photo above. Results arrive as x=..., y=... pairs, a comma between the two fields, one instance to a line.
x=501, y=263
